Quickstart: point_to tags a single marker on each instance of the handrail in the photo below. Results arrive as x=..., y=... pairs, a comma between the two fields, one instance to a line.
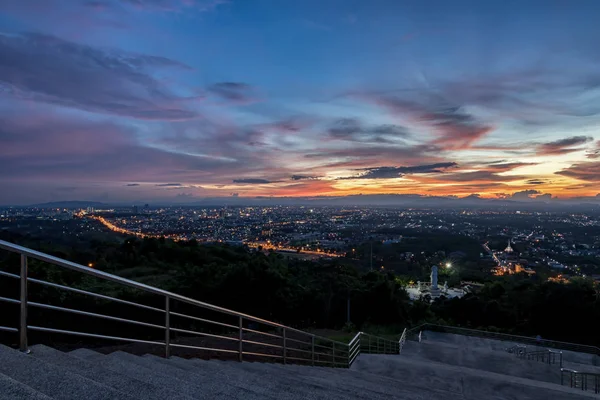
x=581, y=380
x=506, y=337
x=335, y=353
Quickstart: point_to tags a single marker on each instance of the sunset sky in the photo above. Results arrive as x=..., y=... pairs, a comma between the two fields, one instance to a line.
x=176, y=100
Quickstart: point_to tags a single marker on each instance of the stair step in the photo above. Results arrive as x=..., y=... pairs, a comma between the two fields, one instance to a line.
x=246, y=376
x=487, y=360
x=348, y=383
x=92, y=370
x=222, y=380
x=11, y=389
x=476, y=384
x=53, y=380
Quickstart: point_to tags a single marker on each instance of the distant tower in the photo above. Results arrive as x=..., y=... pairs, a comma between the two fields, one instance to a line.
x=134, y=209
x=508, y=248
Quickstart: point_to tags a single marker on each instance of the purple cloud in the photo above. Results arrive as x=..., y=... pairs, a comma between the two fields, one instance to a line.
x=52, y=70
x=563, y=146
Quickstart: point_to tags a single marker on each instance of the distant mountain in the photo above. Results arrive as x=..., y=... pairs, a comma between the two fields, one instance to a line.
x=70, y=204
x=367, y=200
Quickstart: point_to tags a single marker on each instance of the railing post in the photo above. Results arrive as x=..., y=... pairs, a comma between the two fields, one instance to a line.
x=23, y=313
x=561, y=359
x=284, y=346
x=167, y=327
x=333, y=353
x=312, y=350
x=562, y=380
x=241, y=339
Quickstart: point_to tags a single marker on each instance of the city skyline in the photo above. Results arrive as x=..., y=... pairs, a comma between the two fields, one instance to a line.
x=178, y=100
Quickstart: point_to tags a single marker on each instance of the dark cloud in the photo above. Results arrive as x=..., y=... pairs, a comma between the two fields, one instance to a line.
x=537, y=182
x=585, y=171
x=52, y=70
x=352, y=129
x=237, y=92
x=563, y=146
x=169, y=184
x=397, y=172
x=595, y=152
x=255, y=181
x=303, y=177
x=133, y=184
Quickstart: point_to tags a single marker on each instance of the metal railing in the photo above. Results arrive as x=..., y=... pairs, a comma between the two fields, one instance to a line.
x=244, y=338
x=517, y=349
x=371, y=344
x=581, y=380
x=414, y=332
x=548, y=356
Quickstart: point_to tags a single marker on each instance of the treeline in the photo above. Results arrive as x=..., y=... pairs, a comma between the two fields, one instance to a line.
x=303, y=294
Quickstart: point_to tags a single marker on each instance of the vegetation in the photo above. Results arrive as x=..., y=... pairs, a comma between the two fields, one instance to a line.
x=303, y=294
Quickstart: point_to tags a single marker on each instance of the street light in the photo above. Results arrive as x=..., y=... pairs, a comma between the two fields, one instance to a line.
x=448, y=265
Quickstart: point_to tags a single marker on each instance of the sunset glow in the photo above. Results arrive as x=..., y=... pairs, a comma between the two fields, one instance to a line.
x=179, y=100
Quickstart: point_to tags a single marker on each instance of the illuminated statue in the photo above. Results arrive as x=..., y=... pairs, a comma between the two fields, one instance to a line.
x=434, y=277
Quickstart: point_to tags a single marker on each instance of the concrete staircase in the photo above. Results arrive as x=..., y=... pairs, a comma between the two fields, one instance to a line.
x=441, y=367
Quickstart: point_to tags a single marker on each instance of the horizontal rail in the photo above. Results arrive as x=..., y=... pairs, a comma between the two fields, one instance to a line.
x=262, y=344
x=203, y=334
x=8, y=274
x=8, y=300
x=8, y=329
x=322, y=354
x=251, y=353
x=507, y=337
x=204, y=320
x=297, y=341
x=100, y=296
x=94, y=335
x=263, y=333
x=113, y=278
x=291, y=349
x=90, y=314
x=336, y=352
x=572, y=371
x=187, y=346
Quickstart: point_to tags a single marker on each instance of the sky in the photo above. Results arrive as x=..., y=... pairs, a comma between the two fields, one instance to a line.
x=177, y=100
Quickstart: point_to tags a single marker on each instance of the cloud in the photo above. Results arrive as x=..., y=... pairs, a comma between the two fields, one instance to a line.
x=456, y=129
x=133, y=184
x=236, y=92
x=585, y=171
x=595, y=152
x=504, y=166
x=254, y=181
x=169, y=184
x=563, y=146
x=303, y=177
x=525, y=194
x=173, y=5
x=51, y=70
x=353, y=130
x=537, y=182
x=397, y=172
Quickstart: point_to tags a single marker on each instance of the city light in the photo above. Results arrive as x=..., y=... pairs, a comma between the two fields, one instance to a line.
x=448, y=265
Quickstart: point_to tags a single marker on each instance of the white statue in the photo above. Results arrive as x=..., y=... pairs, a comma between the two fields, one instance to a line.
x=419, y=285
x=445, y=286
x=434, y=277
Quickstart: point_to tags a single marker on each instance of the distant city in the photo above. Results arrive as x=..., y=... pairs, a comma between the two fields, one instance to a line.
x=509, y=242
